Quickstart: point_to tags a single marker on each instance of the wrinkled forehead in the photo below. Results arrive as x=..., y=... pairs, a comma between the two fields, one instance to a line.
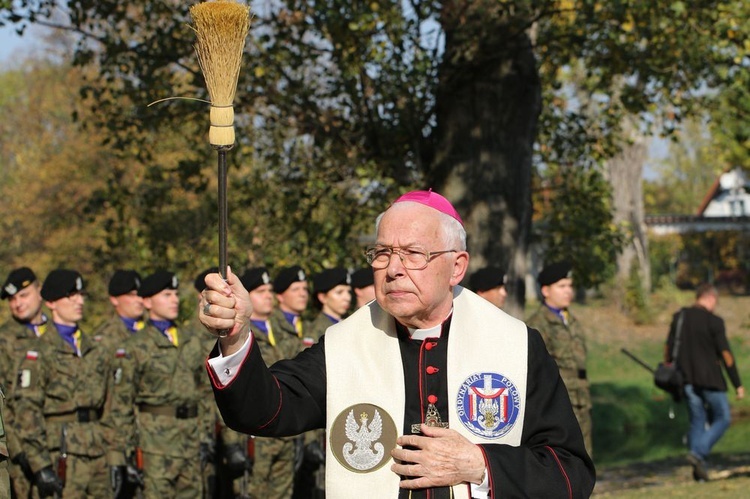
x=410, y=224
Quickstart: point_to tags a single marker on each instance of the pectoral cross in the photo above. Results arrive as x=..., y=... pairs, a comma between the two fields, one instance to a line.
x=432, y=418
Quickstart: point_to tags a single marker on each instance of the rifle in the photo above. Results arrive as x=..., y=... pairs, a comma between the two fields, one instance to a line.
x=250, y=456
x=639, y=361
x=62, y=461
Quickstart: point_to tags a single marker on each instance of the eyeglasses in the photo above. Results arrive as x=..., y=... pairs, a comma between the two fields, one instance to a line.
x=411, y=258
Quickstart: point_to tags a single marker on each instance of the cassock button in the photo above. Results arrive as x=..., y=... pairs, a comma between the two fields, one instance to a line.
x=430, y=345
x=431, y=370
x=432, y=399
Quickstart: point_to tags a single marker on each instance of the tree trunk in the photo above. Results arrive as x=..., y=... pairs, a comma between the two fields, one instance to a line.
x=488, y=104
x=625, y=173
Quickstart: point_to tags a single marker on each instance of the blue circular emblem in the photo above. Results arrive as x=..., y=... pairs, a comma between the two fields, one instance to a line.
x=488, y=404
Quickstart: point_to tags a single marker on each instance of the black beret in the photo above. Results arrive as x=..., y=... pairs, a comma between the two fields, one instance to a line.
x=200, y=280
x=362, y=278
x=330, y=278
x=554, y=272
x=255, y=278
x=123, y=282
x=157, y=282
x=487, y=278
x=60, y=283
x=17, y=280
x=287, y=276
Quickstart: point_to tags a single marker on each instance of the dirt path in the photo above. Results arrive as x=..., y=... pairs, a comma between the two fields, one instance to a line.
x=644, y=479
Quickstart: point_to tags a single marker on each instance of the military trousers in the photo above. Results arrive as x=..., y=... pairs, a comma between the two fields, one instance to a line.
x=4, y=478
x=85, y=477
x=171, y=477
x=273, y=471
x=19, y=481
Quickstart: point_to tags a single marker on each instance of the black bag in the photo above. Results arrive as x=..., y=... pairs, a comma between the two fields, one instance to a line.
x=668, y=377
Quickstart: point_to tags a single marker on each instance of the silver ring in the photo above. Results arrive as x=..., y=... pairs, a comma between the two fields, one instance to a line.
x=223, y=333
x=206, y=308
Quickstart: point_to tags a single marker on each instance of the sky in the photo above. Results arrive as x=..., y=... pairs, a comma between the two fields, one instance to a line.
x=12, y=45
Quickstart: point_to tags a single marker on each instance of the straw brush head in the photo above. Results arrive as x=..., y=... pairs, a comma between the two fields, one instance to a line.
x=221, y=28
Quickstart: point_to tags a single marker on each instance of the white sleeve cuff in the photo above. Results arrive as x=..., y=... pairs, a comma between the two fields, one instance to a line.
x=226, y=368
x=481, y=491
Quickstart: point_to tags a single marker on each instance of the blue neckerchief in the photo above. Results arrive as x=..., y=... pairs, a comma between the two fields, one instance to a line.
x=290, y=317
x=35, y=327
x=558, y=312
x=261, y=325
x=333, y=319
x=67, y=332
x=131, y=324
x=162, y=326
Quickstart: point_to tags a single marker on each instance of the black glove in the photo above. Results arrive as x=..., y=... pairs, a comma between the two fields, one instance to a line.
x=235, y=458
x=133, y=476
x=314, y=455
x=47, y=482
x=116, y=479
x=207, y=453
x=23, y=462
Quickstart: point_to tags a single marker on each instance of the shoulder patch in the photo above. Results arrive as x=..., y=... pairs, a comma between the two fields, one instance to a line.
x=121, y=353
x=32, y=355
x=24, y=378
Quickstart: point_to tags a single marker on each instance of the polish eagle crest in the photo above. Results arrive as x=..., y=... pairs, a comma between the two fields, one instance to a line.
x=363, y=452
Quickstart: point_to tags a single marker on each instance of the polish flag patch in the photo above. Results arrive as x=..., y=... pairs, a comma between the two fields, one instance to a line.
x=32, y=355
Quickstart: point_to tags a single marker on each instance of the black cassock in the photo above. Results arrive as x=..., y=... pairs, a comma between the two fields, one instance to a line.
x=550, y=462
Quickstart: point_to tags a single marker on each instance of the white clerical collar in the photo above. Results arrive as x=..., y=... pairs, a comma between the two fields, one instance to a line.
x=430, y=332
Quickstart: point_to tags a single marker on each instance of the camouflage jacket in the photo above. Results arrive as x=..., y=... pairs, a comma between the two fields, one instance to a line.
x=317, y=327
x=15, y=340
x=55, y=385
x=287, y=339
x=567, y=345
x=153, y=374
x=112, y=333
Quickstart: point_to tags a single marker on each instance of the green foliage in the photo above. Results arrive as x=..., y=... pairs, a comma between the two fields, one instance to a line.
x=636, y=299
x=686, y=260
x=577, y=226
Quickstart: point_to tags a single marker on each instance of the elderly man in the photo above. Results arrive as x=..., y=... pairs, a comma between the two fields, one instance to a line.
x=477, y=415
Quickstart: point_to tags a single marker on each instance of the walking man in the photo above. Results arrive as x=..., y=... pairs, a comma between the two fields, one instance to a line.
x=703, y=348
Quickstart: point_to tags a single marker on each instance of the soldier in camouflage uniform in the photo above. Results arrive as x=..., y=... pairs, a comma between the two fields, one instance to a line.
x=61, y=392
x=126, y=320
x=22, y=289
x=156, y=394
x=332, y=296
x=565, y=340
x=489, y=283
x=363, y=286
x=273, y=469
x=290, y=287
x=128, y=309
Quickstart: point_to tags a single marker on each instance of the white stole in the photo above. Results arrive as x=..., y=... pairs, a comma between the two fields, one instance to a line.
x=363, y=366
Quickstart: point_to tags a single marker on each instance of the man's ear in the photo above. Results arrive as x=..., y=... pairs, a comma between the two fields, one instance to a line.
x=460, y=266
